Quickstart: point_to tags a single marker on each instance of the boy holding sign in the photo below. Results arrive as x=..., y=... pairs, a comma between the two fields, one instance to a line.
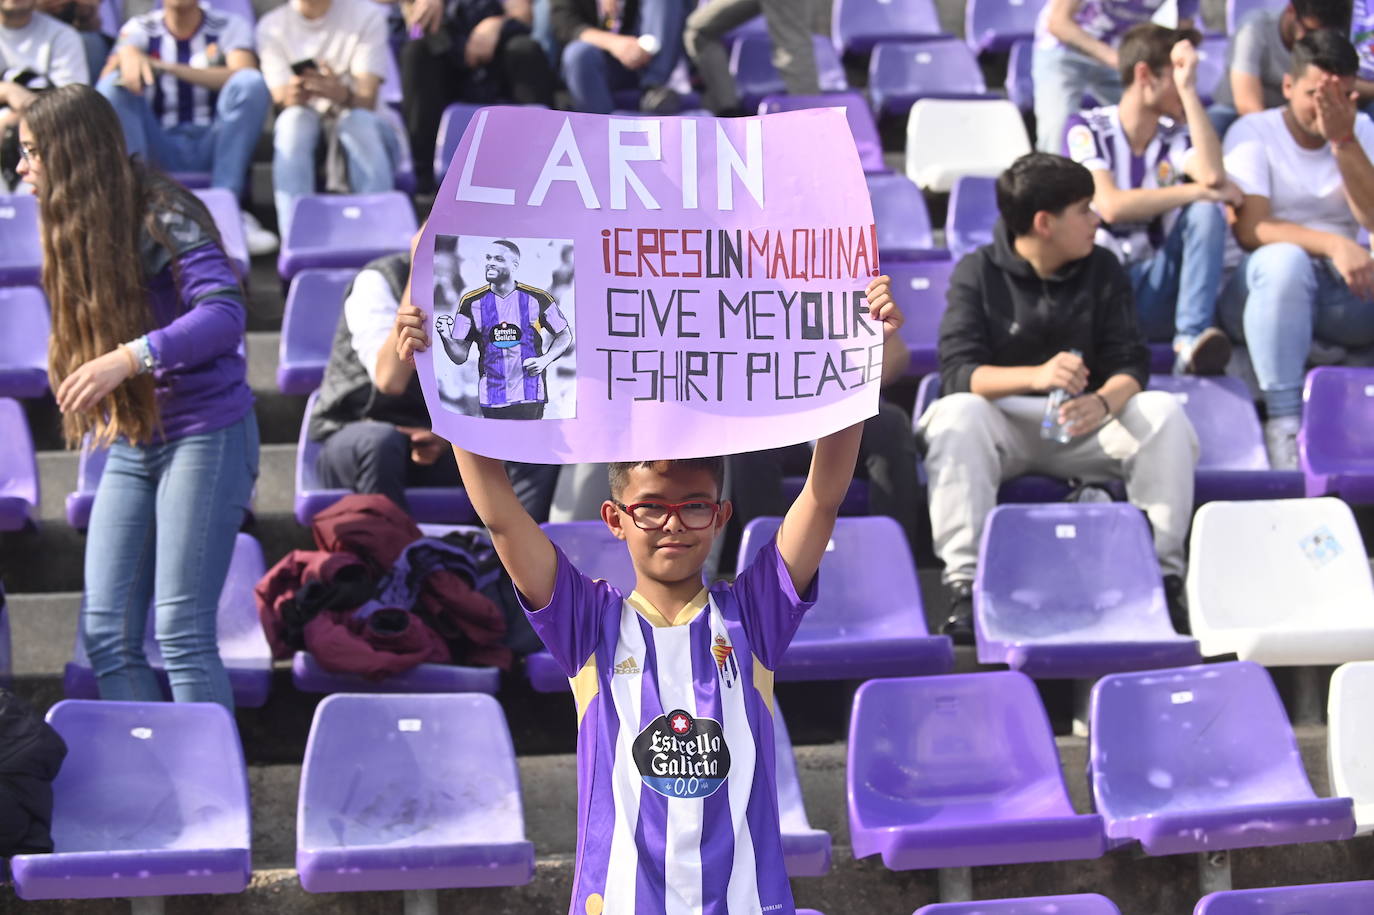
x=673, y=683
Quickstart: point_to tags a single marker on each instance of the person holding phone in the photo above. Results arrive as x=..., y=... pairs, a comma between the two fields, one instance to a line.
x=324, y=62
x=36, y=51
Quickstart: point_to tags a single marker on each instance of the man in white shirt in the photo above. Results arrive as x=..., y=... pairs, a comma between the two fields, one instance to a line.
x=1169, y=234
x=36, y=52
x=184, y=80
x=324, y=62
x=1308, y=183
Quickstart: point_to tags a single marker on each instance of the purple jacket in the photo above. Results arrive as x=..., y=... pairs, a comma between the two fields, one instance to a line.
x=198, y=309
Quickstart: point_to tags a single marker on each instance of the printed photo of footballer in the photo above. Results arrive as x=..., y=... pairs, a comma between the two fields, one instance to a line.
x=519, y=334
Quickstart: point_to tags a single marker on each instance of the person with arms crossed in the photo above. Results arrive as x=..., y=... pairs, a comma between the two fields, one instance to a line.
x=695, y=663
x=1305, y=290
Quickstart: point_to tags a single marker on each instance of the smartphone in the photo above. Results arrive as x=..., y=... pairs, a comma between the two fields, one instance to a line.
x=302, y=67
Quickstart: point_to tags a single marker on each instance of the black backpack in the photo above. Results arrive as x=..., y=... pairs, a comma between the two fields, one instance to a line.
x=31, y=754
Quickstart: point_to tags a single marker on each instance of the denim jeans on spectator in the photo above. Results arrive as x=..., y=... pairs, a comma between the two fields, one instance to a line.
x=1277, y=300
x=1176, y=288
x=162, y=530
x=542, y=30
x=369, y=143
x=1222, y=117
x=223, y=148
x=593, y=75
x=1062, y=76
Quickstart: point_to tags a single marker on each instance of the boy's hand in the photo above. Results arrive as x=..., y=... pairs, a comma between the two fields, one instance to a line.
x=1063, y=370
x=412, y=332
x=881, y=307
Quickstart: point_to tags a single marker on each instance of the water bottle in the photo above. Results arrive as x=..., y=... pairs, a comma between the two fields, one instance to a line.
x=1051, y=429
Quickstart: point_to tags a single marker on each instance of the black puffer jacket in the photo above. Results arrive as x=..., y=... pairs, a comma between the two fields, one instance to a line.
x=31, y=753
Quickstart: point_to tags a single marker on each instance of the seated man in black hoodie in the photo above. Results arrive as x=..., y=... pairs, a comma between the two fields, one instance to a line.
x=1019, y=311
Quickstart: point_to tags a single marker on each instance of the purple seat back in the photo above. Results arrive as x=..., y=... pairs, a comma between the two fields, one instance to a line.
x=346, y=230
x=995, y=25
x=442, y=804
x=972, y=214
x=390, y=91
x=1223, y=415
x=900, y=72
x=18, y=468
x=751, y=64
x=1237, y=10
x=224, y=209
x=242, y=645
x=90, y=467
x=1316, y=899
x=111, y=16
x=856, y=110
x=21, y=248
x=1211, y=66
x=1020, y=83
x=404, y=175
x=919, y=288
x=24, y=328
x=858, y=25
x=313, y=306
x=451, y=126
x=1084, y=904
x=1189, y=740
x=899, y=210
x=592, y=547
x=1335, y=443
x=806, y=850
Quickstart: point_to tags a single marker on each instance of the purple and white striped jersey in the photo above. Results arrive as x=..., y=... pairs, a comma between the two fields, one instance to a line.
x=173, y=101
x=1108, y=20
x=677, y=791
x=507, y=330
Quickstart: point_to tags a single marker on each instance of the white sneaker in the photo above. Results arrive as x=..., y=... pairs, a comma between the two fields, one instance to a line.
x=258, y=239
x=1281, y=441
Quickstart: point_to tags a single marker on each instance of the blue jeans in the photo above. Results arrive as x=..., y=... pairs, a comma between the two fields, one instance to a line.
x=223, y=148
x=369, y=144
x=593, y=75
x=1176, y=288
x=1222, y=117
x=162, y=530
x=1062, y=76
x=1277, y=300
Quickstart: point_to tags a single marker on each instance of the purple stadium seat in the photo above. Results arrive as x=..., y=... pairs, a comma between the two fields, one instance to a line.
x=345, y=230
x=972, y=214
x=856, y=110
x=900, y=72
x=919, y=288
x=1020, y=84
x=89, y=469
x=224, y=209
x=868, y=620
x=247, y=657
x=441, y=807
x=24, y=331
x=1073, y=591
x=1232, y=462
x=857, y=25
x=310, y=677
x=995, y=25
x=1237, y=10
x=18, y=469
x=313, y=305
x=111, y=16
x=1086, y=904
x=451, y=126
x=1335, y=444
x=404, y=175
x=192, y=180
x=1318, y=899
x=903, y=223
x=152, y=800
x=1211, y=66
x=429, y=504
x=1203, y=759
x=751, y=64
x=21, y=248
x=805, y=850
x=960, y=771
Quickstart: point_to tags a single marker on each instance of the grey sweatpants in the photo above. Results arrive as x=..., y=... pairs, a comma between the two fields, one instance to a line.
x=789, y=28
x=973, y=444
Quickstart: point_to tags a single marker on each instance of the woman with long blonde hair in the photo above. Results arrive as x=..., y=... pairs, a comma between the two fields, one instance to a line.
x=147, y=322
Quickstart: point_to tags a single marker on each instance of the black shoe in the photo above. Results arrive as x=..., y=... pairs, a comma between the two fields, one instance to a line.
x=959, y=625
x=1178, y=604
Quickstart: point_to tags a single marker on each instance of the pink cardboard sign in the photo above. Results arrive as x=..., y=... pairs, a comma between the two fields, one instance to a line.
x=648, y=288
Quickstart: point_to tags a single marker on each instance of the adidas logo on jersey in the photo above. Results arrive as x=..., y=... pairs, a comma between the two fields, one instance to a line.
x=627, y=666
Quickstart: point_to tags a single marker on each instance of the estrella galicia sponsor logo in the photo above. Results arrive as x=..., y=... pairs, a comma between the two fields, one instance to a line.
x=682, y=757
x=505, y=335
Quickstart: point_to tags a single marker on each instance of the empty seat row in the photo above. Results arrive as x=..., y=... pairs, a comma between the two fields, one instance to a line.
x=1316, y=899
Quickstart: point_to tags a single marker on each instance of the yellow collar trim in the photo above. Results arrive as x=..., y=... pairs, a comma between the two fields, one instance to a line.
x=655, y=617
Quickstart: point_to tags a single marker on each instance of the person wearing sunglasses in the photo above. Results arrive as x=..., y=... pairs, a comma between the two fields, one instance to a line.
x=672, y=682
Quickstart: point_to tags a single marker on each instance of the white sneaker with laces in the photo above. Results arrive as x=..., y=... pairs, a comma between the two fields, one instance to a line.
x=258, y=239
x=1281, y=441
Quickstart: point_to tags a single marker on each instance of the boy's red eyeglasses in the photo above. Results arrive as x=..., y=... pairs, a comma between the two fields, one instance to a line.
x=653, y=516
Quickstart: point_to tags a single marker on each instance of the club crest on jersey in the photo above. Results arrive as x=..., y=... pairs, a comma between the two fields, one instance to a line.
x=1164, y=173
x=726, y=665
x=682, y=757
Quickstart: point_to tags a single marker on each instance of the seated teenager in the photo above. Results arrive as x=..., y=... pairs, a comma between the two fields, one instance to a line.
x=1021, y=310
x=634, y=44
x=1305, y=291
x=1169, y=233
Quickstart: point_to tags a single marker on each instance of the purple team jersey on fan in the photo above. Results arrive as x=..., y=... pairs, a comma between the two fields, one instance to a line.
x=507, y=330
x=1108, y=20
x=677, y=793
